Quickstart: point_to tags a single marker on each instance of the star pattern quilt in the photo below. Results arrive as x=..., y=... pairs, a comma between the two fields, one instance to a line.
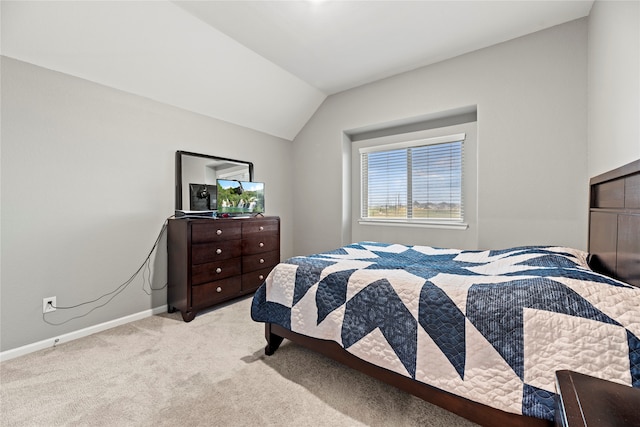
x=491, y=326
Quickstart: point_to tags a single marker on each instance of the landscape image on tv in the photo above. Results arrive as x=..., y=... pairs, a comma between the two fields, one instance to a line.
x=240, y=197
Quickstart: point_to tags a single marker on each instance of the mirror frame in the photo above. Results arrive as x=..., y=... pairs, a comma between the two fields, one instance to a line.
x=179, y=156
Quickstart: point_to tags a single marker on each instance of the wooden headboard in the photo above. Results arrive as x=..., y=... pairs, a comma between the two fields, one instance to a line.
x=614, y=223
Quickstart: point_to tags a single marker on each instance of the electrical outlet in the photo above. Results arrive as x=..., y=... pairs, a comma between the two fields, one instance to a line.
x=48, y=304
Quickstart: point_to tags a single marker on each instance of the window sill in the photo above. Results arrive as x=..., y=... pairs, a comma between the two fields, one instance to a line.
x=414, y=223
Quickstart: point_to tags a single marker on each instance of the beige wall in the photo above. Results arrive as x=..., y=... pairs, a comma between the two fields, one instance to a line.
x=530, y=95
x=614, y=85
x=87, y=182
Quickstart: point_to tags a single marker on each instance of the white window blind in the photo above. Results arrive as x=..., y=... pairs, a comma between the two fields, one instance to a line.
x=416, y=180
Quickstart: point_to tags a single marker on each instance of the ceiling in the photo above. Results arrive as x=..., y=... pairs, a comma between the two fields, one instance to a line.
x=265, y=65
x=337, y=45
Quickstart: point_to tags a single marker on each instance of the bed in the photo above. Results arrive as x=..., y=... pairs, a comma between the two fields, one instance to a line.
x=479, y=333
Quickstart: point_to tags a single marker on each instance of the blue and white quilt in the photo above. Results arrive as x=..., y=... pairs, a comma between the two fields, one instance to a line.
x=490, y=326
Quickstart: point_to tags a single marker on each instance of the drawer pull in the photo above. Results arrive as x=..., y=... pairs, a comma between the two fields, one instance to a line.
x=261, y=228
x=218, y=232
x=261, y=245
x=218, y=270
x=218, y=251
x=261, y=261
x=218, y=289
x=261, y=277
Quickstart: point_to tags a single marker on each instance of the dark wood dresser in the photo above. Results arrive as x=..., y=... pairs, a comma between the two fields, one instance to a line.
x=586, y=401
x=215, y=260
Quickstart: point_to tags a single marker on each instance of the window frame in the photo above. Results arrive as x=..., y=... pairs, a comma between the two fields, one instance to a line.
x=445, y=223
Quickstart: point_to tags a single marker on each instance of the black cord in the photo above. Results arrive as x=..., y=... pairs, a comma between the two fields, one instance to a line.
x=144, y=267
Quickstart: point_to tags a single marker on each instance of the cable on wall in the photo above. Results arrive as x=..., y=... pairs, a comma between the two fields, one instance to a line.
x=145, y=268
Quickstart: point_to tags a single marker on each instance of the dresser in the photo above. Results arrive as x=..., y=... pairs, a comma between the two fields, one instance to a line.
x=214, y=260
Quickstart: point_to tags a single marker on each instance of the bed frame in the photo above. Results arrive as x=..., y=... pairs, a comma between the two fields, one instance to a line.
x=614, y=223
x=614, y=245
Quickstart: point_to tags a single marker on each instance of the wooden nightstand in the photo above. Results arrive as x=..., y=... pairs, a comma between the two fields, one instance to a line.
x=585, y=401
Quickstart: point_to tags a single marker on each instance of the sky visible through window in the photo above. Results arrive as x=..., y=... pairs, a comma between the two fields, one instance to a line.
x=435, y=188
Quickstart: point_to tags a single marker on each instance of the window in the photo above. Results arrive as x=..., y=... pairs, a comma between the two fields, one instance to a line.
x=415, y=181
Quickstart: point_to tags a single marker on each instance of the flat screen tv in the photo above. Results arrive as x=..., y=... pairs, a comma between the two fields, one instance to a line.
x=236, y=198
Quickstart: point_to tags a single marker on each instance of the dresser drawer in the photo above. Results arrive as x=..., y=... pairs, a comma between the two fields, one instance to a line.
x=217, y=270
x=259, y=244
x=258, y=227
x=260, y=261
x=252, y=280
x=210, y=293
x=215, y=251
x=213, y=231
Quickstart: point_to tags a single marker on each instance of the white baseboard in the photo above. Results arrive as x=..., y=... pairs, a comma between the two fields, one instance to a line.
x=53, y=341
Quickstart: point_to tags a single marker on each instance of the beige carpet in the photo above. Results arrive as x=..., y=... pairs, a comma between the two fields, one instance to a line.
x=209, y=372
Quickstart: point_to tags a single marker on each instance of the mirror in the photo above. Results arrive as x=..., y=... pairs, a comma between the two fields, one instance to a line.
x=196, y=176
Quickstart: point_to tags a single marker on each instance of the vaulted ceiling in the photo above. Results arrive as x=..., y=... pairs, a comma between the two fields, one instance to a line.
x=265, y=65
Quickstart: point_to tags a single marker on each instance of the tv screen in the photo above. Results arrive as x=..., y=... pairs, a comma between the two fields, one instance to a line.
x=240, y=197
